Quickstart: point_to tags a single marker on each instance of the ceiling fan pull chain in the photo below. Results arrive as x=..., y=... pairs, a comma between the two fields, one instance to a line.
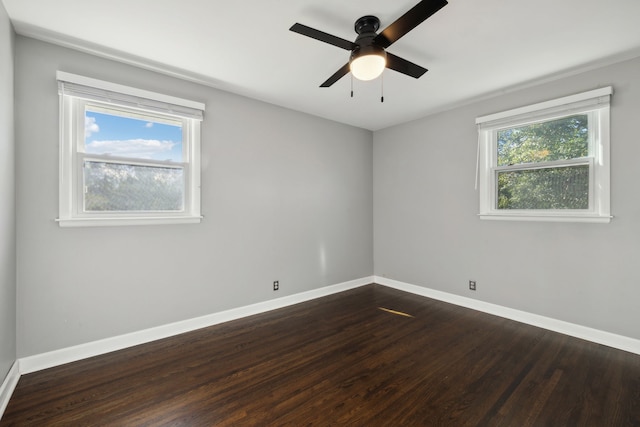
x=382, y=87
x=352, y=85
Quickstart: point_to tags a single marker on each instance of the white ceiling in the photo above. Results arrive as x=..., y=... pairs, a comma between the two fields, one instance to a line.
x=472, y=48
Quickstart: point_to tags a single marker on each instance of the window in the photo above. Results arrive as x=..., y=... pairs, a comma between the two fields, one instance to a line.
x=127, y=156
x=548, y=161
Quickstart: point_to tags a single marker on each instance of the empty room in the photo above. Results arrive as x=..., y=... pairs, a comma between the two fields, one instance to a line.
x=363, y=213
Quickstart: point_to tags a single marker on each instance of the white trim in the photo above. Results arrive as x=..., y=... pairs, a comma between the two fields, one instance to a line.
x=620, y=342
x=8, y=385
x=95, y=348
x=103, y=222
x=513, y=216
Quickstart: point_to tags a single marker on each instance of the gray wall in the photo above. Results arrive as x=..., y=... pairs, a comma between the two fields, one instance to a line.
x=426, y=231
x=7, y=200
x=286, y=196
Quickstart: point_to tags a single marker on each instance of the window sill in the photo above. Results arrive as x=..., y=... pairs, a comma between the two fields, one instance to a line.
x=546, y=217
x=122, y=221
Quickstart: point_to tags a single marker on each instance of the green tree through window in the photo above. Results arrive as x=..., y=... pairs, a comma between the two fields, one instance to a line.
x=545, y=186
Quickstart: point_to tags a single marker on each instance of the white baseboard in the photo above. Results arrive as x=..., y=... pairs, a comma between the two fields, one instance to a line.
x=82, y=351
x=71, y=354
x=8, y=385
x=606, y=338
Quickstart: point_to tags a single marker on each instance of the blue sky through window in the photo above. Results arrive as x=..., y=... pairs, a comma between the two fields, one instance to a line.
x=132, y=137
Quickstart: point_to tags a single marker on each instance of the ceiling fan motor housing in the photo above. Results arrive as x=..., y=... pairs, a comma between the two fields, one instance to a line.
x=367, y=24
x=366, y=28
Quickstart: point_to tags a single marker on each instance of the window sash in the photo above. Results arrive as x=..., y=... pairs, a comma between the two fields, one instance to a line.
x=81, y=106
x=130, y=161
x=82, y=194
x=584, y=161
x=545, y=165
x=80, y=183
x=592, y=124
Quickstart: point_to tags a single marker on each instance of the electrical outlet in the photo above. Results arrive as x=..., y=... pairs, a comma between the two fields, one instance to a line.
x=276, y=285
x=472, y=285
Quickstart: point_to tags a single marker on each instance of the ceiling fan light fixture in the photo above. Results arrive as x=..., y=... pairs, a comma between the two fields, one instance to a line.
x=368, y=57
x=368, y=62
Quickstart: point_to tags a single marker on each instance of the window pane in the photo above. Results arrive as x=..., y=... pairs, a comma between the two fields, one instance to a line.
x=560, y=139
x=117, y=187
x=135, y=136
x=551, y=188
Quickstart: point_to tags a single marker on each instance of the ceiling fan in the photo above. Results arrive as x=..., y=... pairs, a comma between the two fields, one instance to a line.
x=368, y=53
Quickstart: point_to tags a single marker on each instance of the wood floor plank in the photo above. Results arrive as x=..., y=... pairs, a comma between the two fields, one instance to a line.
x=341, y=360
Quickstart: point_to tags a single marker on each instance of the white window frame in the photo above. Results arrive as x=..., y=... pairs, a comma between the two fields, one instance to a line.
x=596, y=104
x=76, y=92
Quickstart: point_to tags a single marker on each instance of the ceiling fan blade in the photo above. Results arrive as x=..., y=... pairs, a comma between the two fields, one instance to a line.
x=403, y=66
x=407, y=22
x=322, y=36
x=336, y=76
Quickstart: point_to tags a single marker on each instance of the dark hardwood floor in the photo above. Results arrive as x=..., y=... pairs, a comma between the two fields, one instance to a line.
x=340, y=360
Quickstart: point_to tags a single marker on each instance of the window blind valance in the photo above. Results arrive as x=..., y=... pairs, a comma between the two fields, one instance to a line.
x=98, y=90
x=597, y=98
